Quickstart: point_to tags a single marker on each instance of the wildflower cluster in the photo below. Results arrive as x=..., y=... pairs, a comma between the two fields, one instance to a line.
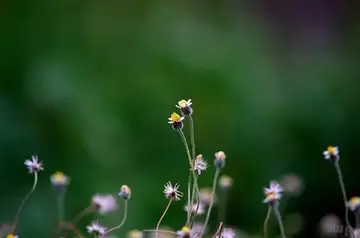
x=199, y=200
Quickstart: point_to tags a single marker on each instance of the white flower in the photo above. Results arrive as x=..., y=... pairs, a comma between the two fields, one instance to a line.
x=273, y=193
x=104, y=203
x=332, y=152
x=227, y=233
x=186, y=232
x=196, y=208
x=353, y=203
x=184, y=104
x=96, y=227
x=33, y=165
x=200, y=164
x=172, y=192
x=59, y=179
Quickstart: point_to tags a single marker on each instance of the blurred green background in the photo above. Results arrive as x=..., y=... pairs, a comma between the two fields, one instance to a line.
x=88, y=87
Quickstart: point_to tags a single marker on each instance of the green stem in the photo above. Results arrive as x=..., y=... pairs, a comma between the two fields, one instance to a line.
x=266, y=222
x=162, y=217
x=23, y=202
x=189, y=199
x=60, y=204
x=192, y=134
x=343, y=190
x=278, y=217
x=183, y=138
x=122, y=222
x=217, y=172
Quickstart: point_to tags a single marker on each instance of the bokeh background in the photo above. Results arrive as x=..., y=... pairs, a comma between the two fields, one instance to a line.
x=88, y=87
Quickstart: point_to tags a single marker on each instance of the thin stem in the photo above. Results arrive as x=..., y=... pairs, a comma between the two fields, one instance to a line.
x=161, y=231
x=219, y=230
x=189, y=199
x=81, y=214
x=24, y=200
x=192, y=134
x=217, y=172
x=343, y=190
x=222, y=207
x=278, y=217
x=60, y=204
x=122, y=222
x=183, y=138
x=163, y=215
x=266, y=222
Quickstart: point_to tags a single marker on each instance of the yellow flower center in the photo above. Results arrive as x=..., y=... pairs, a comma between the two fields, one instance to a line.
x=331, y=150
x=59, y=176
x=271, y=196
x=182, y=103
x=10, y=236
x=185, y=229
x=175, y=117
x=355, y=200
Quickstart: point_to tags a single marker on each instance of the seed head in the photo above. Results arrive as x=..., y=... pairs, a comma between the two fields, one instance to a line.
x=185, y=107
x=125, y=192
x=219, y=161
x=200, y=165
x=172, y=192
x=273, y=193
x=34, y=165
x=104, y=203
x=96, y=228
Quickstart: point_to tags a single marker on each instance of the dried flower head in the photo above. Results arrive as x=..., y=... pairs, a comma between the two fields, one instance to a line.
x=176, y=121
x=125, y=192
x=332, y=153
x=219, y=161
x=135, y=234
x=33, y=165
x=185, y=107
x=225, y=182
x=273, y=193
x=353, y=203
x=96, y=228
x=195, y=208
x=59, y=179
x=200, y=165
x=172, y=192
x=205, y=195
x=104, y=203
x=227, y=233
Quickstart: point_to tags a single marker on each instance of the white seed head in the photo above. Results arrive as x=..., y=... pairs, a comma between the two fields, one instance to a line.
x=125, y=192
x=96, y=228
x=34, y=165
x=104, y=203
x=200, y=165
x=172, y=192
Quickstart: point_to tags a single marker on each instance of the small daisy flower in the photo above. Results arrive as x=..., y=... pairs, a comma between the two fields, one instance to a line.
x=332, y=153
x=200, y=164
x=353, y=203
x=219, y=161
x=186, y=232
x=172, y=192
x=273, y=193
x=125, y=192
x=59, y=179
x=33, y=165
x=225, y=182
x=104, y=203
x=176, y=121
x=195, y=208
x=96, y=227
x=227, y=233
x=185, y=107
x=135, y=234
x=12, y=236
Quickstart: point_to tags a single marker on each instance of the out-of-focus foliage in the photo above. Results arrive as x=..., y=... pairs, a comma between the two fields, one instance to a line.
x=88, y=87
